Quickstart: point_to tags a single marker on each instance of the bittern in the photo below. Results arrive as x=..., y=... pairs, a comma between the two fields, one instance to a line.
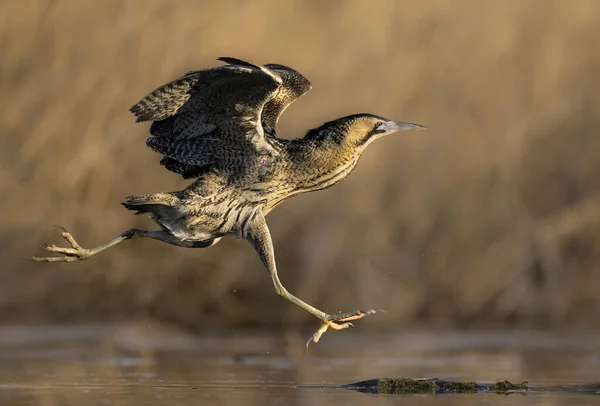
x=217, y=125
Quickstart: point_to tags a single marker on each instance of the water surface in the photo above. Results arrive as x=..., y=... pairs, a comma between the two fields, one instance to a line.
x=150, y=365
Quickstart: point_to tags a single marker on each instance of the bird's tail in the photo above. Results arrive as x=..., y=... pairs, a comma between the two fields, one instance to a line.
x=160, y=205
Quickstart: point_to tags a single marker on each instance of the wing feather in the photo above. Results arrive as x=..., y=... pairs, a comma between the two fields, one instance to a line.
x=215, y=117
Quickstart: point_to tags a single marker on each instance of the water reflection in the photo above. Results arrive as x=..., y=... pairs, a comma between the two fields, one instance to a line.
x=148, y=364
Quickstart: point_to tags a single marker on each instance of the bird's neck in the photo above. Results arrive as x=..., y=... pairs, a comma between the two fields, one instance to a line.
x=319, y=163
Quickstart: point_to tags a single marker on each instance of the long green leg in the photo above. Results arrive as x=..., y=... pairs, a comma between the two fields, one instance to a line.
x=260, y=237
x=78, y=253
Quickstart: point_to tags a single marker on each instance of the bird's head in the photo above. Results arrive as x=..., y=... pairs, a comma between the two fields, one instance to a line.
x=359, y=130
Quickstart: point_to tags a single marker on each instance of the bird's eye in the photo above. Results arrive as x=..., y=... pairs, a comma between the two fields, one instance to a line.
x=378, y=124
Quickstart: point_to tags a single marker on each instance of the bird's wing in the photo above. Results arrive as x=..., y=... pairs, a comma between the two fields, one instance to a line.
x=294, y=85
x=209, y=117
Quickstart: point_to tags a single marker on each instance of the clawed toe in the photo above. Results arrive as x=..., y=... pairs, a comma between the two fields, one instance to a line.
x=60, y=250
x=76, y=252
x=339, y=321
x=339, y=326
x=354, y=315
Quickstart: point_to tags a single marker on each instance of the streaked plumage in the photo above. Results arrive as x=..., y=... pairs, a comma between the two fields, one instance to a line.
x=239, y=95
x=218, y=125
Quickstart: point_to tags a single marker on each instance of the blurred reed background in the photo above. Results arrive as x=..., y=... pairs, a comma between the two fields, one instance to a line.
x=491, y=218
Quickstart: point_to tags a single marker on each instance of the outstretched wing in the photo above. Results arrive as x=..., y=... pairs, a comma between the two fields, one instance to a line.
x=210, y=118
x=293, y=86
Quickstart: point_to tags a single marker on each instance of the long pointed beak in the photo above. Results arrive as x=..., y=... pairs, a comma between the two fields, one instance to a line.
x=394, y=126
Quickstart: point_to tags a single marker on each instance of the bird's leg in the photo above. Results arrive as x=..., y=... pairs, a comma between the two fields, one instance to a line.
x=77, y=252
x=260, y=237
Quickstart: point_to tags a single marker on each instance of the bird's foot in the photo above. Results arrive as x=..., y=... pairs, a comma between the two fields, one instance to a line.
x=75, y=253
x=338, y=321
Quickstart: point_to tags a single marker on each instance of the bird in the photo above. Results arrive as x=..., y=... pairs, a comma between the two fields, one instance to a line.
x=217, y=126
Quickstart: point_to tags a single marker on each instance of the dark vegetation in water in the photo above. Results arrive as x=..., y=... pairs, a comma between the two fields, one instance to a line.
x=406, y=386
x=433, y=386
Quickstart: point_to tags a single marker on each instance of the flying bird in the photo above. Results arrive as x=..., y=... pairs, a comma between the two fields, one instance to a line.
x=218, y=126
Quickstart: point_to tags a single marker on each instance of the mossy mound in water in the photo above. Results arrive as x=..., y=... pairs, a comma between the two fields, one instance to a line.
x=433, y=386
x=505, y=386
x=402, y=385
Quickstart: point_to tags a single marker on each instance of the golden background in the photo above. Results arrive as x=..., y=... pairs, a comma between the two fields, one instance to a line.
x=491, y=218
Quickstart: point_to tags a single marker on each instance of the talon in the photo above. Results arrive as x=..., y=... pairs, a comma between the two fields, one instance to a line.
x=50, y=248
x=339, y=321
x=355, y=315
x=76, y=252
x=69, y=238
x=315, y=337
x=340, y=326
